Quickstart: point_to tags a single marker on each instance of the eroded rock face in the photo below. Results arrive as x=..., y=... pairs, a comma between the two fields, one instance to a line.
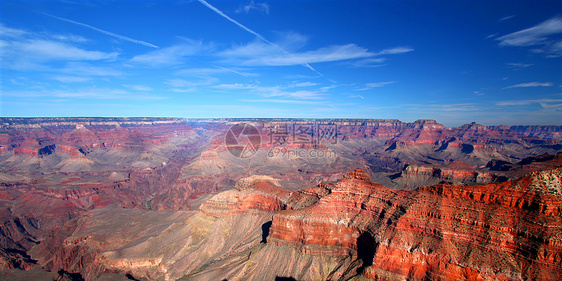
x=256, y=192
x=61, y=180
x=496, y=231
x=352, y=228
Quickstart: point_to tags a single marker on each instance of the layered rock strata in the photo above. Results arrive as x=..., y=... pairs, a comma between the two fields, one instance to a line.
x=501, y=231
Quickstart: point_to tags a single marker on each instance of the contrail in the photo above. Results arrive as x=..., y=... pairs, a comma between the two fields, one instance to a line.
x=253, y=32
x=106, y=32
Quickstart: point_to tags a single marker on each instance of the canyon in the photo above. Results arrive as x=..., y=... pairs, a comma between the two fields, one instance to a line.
x=318, y=199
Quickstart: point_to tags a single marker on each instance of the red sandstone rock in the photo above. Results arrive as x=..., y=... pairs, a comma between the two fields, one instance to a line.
x=486, y=231
x=256, y=192
x=332, y=230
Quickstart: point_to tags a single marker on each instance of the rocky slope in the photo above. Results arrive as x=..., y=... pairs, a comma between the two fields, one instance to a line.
x=497, y=231
x=350, y=229
x=413, y=176
x=67, y=185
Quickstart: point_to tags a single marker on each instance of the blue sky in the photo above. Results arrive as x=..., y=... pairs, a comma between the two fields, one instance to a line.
x=493, y=62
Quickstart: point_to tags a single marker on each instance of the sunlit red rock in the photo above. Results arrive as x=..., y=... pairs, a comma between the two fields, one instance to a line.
x=72, y=190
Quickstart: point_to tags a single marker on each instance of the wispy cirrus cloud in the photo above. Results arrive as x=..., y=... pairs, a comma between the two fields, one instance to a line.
x=302, y=84
x=374, y=62
x=70, y=38
x=106, y=32
x=239, y=72
x=84, y=93
x=272, y=91
x=369, y=86
x=247, y=8
x=76, y=72
x=506, y=18
x=179, y=83
x=259, y=36
x=290, y=40
x=436, y=108
x=394, y=51
x=540, y=36
x=213, y=70
x=327, y=54
x=455, y=107
x=72, y=79
x=377, y=61
x=259, y=54
x=530, y=84
x=519, y=65
x=289, y=101
x=24, y=50
x=184, y=86
x=8, y=32
x=379, y=84
x=545, y=103
x=139, y=88
x=173, y=55
x=48, y=50
x=88, y=69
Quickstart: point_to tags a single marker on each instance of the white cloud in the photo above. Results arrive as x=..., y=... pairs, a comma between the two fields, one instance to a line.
x=530, y=84
x=545, y=103
x=16, y=82
x=45, y=50
x=235, y=86
x=309, y=95
x=291, y=41
x=457, y=107
x=8, y=32
x=518, y=65
x=139, y=87
x=71, y=79
x=539, y=35
x=252, y=50
x=276, y=54
x=327, y=88
x=272, y=91
x=258, y=53
x=86, y=93
x=186, y=90
x=369, y=86
x=379, y=84
x=173, y=55
x=259, y=36
x=375, y=62
x=532, y=36
x=263, y=55
x=395, y=50
x=178, y=83
x=87, y=69
x=184, y=86
x=302, y=84
x=19, y=34
x=285, y=101
x=69, y=38
x=260, y=7
x=506, y=18
x=213, y=70
x=106, y=32
x=25, y=50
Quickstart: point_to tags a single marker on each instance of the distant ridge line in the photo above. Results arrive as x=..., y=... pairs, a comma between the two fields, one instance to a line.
x=55, y=121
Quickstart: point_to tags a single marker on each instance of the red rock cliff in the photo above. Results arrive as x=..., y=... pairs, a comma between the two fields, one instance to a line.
x=497, y=231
